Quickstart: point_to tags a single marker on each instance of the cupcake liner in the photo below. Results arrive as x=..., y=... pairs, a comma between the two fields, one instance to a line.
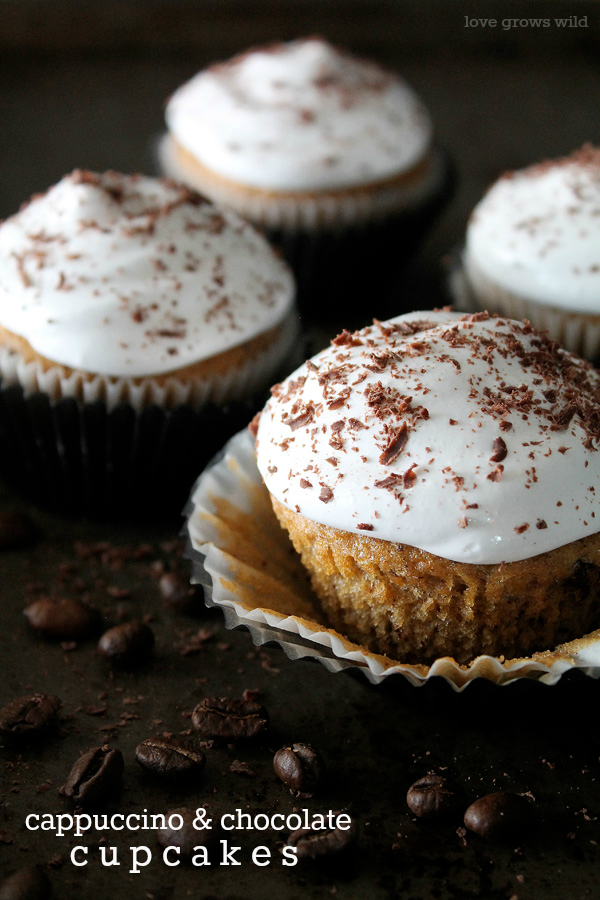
x=577, y=332
x=356, y=263
x=77, y=458
x=249, y=569
x=106, y=448
x=114, y=391
x=310, y=210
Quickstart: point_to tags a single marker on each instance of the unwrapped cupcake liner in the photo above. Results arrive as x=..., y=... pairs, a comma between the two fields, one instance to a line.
x=113, y=449
x=577, y=332
x=249, y=569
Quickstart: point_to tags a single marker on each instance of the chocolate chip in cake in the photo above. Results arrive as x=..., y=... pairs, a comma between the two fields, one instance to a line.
x=228, y=719
x=301, y=768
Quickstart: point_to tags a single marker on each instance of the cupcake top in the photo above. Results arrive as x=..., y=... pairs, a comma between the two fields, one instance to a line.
x=300, y=116
x=536, y=232
x=131, y=276
x=472, y=437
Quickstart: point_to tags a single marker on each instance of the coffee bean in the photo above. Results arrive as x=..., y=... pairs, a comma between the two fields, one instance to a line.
x=300, y=768
x=187, y=837
x=174, y=758
x=29, y=715
x=63, y=619
x=227, y=719
x=95, y=775
x=178, y=593
x=502, y=816
x=26, y=884
x=129, y=644
x=17, y=529
x=316, y=844
x=433, y=797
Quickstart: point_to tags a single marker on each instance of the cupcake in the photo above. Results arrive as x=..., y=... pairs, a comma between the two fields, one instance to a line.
x=129, y=305
x=533, y=249
x=330, y=154
x=438, y=476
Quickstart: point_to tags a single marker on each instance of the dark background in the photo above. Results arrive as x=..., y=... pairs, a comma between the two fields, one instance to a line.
x=83, y=84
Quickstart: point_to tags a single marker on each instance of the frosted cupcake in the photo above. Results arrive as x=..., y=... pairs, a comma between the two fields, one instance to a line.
x=533, y=249
x=438, y=475
x=123, y=294
x=331, y=154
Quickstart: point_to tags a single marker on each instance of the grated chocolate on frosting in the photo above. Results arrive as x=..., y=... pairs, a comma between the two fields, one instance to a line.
x=127, y=275
x=472, y=437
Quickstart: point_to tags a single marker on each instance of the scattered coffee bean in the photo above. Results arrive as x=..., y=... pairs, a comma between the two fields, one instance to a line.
x=187, y=837
x=29, y=715
x=63, y=619
x=173, y=758
x=17, y=529
x=178, y=593
x=502, y=816
x=228, y=719
x=129, y=644
x=26, y=884
x=300, y=768
x=433, y=797
x=95, y=775
x=316, y=844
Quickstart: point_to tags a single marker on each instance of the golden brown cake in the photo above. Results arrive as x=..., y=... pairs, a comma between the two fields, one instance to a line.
x=438, y=475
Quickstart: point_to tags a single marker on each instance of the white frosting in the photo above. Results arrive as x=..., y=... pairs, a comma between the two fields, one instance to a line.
x=536, y=233
x=132, y=276
x=470, y=437
x=300, y=116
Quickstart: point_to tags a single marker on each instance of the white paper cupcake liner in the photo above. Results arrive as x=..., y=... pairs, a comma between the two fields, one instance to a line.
x=311, y=211
x=250, y=570
x=235, y=385
x=577, y=332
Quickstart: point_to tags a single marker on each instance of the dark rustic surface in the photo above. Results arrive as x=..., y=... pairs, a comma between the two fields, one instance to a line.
x=79, y=91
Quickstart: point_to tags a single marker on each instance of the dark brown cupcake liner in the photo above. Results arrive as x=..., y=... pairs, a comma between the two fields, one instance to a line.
x=350, y=273
x=82, y=459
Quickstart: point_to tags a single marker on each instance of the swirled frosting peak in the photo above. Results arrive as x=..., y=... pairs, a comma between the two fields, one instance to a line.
x=536, y=233
x=131, y=276
x=300, y=116
x=471, y=437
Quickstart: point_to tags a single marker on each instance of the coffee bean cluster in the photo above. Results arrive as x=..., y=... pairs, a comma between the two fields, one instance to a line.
x=503, y=815
x=95, y=778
